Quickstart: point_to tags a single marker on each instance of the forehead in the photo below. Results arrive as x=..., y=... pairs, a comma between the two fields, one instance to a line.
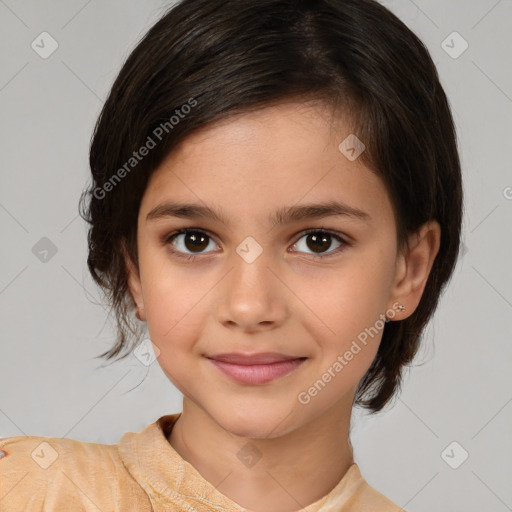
x=275, y=128
x=256, y=162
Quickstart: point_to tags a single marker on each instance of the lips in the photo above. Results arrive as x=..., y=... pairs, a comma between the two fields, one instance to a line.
x=251, y=359
x=256, y=369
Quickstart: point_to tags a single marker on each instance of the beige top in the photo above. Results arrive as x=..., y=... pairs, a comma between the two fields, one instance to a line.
x=143, y=472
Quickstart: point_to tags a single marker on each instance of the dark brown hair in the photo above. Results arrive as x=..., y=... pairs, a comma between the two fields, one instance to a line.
x=208, y=59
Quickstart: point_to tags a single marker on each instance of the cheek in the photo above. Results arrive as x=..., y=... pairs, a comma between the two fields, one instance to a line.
x=172, y=298
x=345, y=312
x=345, y=300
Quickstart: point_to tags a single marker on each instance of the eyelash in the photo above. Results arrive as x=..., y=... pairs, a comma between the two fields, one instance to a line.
x=191, y=257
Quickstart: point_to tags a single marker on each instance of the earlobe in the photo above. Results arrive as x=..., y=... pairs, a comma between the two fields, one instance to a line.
x=134, y=284
x=414, y=266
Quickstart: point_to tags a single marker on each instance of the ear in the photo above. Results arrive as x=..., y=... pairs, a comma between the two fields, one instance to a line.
x=134, y=283
x=413, y=268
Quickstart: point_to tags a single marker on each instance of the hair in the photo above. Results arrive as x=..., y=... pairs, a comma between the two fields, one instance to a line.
x=205, y=60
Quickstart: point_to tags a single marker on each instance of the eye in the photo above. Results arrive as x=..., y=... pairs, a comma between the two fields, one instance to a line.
x=192, y=240
x=319, y=241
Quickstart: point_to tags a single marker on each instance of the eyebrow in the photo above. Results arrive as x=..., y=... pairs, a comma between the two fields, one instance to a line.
x=284, y=215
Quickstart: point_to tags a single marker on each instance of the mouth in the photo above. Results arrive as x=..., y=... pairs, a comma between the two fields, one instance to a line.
x=256, y=369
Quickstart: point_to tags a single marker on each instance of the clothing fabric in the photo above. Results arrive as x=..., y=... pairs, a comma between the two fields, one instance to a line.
x=141, y=473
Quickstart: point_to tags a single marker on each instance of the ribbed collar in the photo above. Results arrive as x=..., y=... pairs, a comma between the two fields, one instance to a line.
x=168, y=479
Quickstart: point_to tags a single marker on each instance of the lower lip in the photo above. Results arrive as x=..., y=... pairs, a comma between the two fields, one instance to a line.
x=257, y=373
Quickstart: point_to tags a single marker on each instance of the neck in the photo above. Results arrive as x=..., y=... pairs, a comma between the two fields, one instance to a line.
x=280, y=474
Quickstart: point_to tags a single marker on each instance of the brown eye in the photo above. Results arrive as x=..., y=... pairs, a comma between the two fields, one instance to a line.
x=319, y=242
x=195, y=241
x=190, y=242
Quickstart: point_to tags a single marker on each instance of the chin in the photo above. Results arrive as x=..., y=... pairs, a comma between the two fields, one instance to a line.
x=255, y=424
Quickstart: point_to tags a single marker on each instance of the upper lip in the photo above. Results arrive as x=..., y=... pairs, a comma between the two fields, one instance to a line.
x=248, y=359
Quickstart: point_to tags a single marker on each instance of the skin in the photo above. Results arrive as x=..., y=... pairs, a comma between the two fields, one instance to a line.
x=288, y=300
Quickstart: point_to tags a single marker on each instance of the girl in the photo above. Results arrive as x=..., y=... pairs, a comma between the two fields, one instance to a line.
x=276, y=195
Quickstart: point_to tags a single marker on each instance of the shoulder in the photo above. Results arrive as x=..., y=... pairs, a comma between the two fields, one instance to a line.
x=50, y=474
x=354, y=494
x=371, y=500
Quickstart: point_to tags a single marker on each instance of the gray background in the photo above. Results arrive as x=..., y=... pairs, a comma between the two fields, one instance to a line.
x=52, y=322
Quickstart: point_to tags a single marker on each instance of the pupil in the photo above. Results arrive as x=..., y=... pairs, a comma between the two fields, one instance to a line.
x=319, y=242
x=198, y=241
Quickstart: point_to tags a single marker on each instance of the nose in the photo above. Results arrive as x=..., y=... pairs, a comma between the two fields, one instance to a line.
x=251, y=296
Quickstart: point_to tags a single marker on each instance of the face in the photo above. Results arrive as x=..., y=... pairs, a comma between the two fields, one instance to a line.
x=258, y=279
